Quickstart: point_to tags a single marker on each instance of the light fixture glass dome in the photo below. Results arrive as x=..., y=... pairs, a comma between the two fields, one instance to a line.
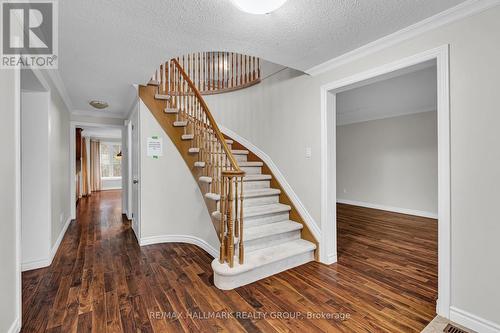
x=259, y=6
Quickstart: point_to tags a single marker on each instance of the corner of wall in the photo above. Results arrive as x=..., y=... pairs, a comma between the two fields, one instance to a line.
x=59, y=239
x=47, y=261
x=172, y=207
x=16, y=326
x=180, y=239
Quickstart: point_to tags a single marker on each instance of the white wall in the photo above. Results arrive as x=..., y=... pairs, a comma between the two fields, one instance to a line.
x=282, y=117
x=36, y=195
x=171, y=201
x=59, y=166
x=390, y=162
x=46, y=171
x=9, y=130
x=278, y=117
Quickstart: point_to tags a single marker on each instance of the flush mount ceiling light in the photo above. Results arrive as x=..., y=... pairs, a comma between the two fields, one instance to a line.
x=98, y=104
x=258, y=6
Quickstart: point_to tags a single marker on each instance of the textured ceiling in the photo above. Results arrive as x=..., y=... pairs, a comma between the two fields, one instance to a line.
x=106, y=46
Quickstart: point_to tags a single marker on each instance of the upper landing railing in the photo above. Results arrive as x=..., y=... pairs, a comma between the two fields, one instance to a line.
x=213, y=72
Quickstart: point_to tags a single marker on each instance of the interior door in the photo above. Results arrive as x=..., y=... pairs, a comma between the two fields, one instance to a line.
x=135, y=147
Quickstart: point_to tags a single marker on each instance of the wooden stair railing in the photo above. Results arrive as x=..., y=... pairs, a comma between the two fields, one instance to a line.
x=226, y=178
x=212, y=72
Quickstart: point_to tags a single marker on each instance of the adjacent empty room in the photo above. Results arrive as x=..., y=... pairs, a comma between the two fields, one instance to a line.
x=387, y=182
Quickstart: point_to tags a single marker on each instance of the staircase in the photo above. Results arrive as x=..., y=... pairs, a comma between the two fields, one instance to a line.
x=260, y=231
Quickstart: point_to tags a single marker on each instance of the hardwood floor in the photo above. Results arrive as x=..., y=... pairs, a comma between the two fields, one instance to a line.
x=102, y=281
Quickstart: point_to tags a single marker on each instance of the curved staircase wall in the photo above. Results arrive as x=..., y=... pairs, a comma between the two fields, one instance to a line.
x=260, y=114
x=172, y=205
x=272, y=235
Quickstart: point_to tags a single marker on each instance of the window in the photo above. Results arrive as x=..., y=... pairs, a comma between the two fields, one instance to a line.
x=110, y=161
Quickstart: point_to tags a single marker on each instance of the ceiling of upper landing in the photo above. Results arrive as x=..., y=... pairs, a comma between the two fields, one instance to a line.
x=106, y=46
x=403, y=92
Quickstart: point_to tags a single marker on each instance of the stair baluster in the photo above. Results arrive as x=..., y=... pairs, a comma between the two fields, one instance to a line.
x=275, y=236
x=215, y=157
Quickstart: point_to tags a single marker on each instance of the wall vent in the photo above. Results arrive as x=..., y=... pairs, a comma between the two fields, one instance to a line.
x=453, y=329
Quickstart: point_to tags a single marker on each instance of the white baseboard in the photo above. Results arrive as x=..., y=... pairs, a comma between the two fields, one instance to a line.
x=35, y=264
x=59, y=239
x=111, y=188
x=15, y=327
x=473, y=322
x=331, y=259
x=406, y=211
x=308, y=219
x=41, y=263
x=180, y=239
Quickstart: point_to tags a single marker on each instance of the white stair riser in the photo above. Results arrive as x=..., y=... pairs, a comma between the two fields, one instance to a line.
x=265, y=219
x=256, y=184
x=260, y=243
x=241, y=158
x=252, y=170
x=257, y=201
x=260, y=201
x=228, y=282
x=162, y=97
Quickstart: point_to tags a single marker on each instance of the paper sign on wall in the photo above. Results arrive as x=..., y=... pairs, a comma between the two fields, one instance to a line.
x=155, y=147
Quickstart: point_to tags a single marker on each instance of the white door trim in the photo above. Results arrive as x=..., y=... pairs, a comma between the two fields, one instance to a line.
x=128, y=128
x=16, y=326
x=328, y=244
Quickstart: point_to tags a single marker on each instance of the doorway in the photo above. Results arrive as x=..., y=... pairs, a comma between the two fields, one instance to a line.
x=329, y=92
x=104, y=166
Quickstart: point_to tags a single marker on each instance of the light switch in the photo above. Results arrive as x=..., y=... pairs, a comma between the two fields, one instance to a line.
x=308, y=152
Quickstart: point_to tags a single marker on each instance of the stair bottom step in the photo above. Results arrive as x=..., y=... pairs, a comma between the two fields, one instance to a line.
x=276, y=239
x=263, y=263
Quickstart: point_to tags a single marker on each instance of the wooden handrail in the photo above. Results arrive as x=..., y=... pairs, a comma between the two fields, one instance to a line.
x=215, y=160
x=213, y=123
x=217, y=72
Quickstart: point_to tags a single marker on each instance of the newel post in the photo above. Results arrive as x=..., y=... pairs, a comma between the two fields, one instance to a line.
x=232, y=218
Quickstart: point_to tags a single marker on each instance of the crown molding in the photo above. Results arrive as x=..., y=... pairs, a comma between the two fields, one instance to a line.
x=463, y=10
x=58, y=83
x=51, y=80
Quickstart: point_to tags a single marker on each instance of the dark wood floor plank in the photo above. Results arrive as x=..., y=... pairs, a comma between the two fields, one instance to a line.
x=101, y=280
x=113, y=322
x=85, y=323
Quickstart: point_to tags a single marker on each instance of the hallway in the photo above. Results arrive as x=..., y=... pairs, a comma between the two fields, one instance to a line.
x=102, y=281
